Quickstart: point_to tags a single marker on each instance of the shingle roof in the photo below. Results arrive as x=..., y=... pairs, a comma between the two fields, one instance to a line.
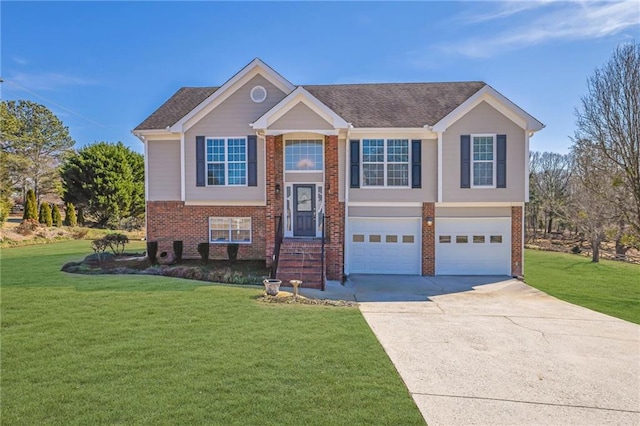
x=363, y=105
x=176, y=107
x=394, y=104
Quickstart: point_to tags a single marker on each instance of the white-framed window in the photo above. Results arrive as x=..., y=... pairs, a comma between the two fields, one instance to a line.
x=226, y=161
x=385, y=163
x=303, y=155
x=483, y=161
x=230, y=230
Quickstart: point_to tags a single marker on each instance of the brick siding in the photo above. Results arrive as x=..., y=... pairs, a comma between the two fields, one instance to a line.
x=428, y=239
x=334, y=209
x=173, y=220
x=516, y=241
x=274, y=164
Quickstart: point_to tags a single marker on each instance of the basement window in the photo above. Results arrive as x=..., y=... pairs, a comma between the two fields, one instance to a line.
x=224, y=230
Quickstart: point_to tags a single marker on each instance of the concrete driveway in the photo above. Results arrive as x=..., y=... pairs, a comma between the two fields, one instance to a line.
x=494, y=351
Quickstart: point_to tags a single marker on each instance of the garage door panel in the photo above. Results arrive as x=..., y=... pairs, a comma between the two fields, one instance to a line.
x=388, y=246
x=473, y=246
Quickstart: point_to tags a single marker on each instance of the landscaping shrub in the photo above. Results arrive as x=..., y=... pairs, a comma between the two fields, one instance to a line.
x=116, y=242
x=5, y=209
x=177, y=250
x=232, y=251
x=70, y=218
x=203, y=249
x=31, y=207
x=28, y=227
x=56, y=216
x=576, y=250
x=152, y=251
x=99, y=246
x=45, y=216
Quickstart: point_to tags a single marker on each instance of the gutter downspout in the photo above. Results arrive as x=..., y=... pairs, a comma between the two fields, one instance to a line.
x=347, y=176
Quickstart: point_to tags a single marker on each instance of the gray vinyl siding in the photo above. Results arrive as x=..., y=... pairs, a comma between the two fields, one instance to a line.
x=483, y=119
x=231, y=118
x=300, y=117
x=428, y=192
x=473, y=212
x=361, y=211
x=164, y=170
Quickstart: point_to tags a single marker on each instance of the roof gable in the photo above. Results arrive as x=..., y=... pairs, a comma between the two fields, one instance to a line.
x=300, y=95
x=491, y=96
x=183, y=101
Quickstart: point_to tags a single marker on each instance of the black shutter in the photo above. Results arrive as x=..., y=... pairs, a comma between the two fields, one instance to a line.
x=465, y=161
x=416, y=163
x=501, y=171
x=200, y=161
x=252, y=160
x=354, y=147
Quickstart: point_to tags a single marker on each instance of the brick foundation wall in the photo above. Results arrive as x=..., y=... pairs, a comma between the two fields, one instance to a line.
x=428, y=239
x=274, y=165
x=173, y=220
x=516, y=241
x=334, y=209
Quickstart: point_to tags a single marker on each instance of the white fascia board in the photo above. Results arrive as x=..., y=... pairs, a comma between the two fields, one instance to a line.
x=326, y=132
x=158, y=135
x=480, y=204
x=385, y=204
x=300, y=94
x=497, y=101
x=224, y=203
x=419, y=132
x=254, y=68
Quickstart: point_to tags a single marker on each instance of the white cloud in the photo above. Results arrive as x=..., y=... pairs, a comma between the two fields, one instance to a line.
x=20, y=61
x=47, y=80
x=553, y=22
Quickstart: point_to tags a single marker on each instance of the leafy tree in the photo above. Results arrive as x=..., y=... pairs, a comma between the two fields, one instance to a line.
x=70, y=218
x=608, y=124
x=56, y=216
x=106, y=181
x=46, y=217
x=30, y=207
x=34, y=139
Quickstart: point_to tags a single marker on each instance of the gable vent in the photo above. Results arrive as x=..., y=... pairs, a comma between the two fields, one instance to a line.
x=258, y=94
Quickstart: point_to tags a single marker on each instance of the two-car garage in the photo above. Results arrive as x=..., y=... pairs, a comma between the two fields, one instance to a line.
x=463, y=245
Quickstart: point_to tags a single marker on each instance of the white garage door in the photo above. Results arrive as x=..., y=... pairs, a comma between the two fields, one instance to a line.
x=384, y=246
x=473, y=246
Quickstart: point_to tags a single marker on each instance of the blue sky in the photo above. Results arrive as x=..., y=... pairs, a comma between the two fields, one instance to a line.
x=102, y=67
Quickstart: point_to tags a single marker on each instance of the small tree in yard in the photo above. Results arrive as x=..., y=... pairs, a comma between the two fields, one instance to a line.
x=56, y=216
x=70, y=215
x=31, y=207
x=45, y=214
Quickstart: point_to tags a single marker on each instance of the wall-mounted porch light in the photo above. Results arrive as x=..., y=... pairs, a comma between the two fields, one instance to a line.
x=429, y=221
x=277, y=189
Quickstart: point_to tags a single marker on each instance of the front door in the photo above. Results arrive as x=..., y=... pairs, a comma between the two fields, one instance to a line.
x=304, y=212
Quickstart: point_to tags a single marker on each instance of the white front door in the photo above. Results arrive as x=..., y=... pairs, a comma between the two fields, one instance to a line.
x=384, y=246
x=473, y=246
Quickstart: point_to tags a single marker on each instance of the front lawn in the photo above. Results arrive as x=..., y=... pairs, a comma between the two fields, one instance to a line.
x=610, y=287
x=80, y=349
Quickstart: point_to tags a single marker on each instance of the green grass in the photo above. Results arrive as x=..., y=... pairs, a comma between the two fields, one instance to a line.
x=610, y=287
x=153, y=350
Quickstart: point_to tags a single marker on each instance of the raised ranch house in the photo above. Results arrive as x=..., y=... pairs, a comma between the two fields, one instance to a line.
x=328, y=180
